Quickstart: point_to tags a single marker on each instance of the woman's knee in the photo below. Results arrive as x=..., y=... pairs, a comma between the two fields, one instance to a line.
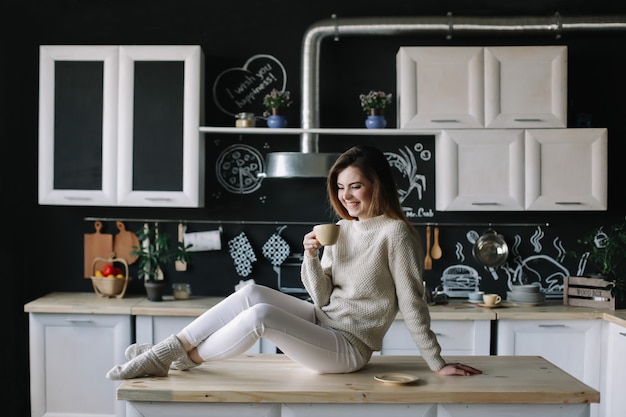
x=254, y=293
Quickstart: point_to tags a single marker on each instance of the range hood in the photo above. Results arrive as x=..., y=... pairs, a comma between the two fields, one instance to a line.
x=298, y=164
x=309, y=162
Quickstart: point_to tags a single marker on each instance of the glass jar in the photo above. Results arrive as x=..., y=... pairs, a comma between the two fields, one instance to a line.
x=245, y=120
x=181, y=291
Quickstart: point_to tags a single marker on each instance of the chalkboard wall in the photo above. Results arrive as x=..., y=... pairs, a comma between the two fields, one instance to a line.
x=43, y=246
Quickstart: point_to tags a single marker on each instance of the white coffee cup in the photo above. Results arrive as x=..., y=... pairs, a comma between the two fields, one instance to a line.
x=491, y=299
x=476, y=296
x=326, y=234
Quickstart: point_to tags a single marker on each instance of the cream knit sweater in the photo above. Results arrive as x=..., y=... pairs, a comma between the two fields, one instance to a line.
x=374, y=270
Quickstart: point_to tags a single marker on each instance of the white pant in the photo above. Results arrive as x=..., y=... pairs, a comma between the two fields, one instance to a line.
x=234, y=325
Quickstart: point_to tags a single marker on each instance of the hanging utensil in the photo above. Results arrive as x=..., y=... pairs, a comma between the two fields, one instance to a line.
x=159, y=274
x=96, y=245
x=428, y=261
x=436, y=252
x=125, y=243
x=180, y=264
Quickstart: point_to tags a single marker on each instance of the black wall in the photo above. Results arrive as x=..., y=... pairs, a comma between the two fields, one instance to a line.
x=42, y=248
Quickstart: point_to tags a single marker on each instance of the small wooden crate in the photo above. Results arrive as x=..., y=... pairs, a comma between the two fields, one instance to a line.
x=589, y=292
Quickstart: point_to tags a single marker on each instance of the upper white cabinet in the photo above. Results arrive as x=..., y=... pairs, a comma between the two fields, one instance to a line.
x=566, y=169
x=118, y=126
x=479, y=170
x=514, y=169
x=475, y=87
x=440, y=87
x=526, y=86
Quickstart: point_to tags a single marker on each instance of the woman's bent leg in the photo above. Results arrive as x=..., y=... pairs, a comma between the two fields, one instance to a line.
x=224, y=312
x=315, y=347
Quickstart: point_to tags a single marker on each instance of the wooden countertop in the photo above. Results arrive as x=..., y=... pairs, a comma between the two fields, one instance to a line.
x=89, y=303
x=277, y=379
x=81, y=303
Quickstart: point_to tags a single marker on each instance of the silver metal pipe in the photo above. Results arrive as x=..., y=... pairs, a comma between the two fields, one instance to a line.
x=445, y=25
x=307, y=162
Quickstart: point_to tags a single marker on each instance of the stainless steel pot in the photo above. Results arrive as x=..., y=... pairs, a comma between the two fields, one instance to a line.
x=490, y=249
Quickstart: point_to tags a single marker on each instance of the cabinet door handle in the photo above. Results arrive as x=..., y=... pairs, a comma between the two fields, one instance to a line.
x=551, y=325
x=441, y=334
x=622, y=333
x=158, y=199
x=568, y=203
x=78, y=321
x=70, y=198
x=444, y=121
x=486, y=203
x=528, y=120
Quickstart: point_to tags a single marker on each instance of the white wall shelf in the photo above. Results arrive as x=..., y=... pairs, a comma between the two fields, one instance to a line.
x=325, y=131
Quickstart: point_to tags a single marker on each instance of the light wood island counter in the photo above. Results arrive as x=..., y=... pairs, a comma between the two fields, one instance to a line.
x=273, y=385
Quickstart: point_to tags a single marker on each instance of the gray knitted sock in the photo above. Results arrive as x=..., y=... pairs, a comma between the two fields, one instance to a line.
x=136, y=349
x=154, y=362
x=183, y=363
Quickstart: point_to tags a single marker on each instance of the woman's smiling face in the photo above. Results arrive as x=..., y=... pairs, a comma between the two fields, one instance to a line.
x=354, y=192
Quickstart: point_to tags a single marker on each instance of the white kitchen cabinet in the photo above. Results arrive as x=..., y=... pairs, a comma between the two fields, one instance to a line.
x=70, y=355
x=479, y=169
x=475, y=87
x=456, y=337
x=513, y=169
x=613, y=401
x=572, y=345
x=525, y=86
x=440, y=87
x=153, y=329
x=118, y=126
x=566, y=169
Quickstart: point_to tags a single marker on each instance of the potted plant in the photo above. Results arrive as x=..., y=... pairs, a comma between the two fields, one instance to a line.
x=603, y=256
x=275, y=102
x=153, y=255
x=374, y=104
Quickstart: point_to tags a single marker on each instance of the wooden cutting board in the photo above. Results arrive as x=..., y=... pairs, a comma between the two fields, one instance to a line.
x=125, y=243
x=96, y=245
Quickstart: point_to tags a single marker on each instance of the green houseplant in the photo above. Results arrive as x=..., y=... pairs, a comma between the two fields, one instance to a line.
x=153, y=255
x=604, y=252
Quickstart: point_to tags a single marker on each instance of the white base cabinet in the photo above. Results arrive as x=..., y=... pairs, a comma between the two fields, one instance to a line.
x=70, y=355
x=456, y=337
x=613, y=401
x=572, y=345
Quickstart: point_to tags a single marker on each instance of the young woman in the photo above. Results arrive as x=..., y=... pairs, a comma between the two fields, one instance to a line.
x=357, y=287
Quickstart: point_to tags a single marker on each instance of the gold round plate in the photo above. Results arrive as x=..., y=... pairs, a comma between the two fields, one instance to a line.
x=396, y=378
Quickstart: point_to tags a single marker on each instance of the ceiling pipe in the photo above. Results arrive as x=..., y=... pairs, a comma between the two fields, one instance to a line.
x=317, y=164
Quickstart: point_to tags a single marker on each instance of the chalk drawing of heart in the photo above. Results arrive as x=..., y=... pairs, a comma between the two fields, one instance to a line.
x=239, y=90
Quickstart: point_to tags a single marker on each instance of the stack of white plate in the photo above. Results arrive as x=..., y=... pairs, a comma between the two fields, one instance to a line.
x=526, y=294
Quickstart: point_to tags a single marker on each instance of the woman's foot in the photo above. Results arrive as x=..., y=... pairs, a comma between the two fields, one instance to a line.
x=153, y=362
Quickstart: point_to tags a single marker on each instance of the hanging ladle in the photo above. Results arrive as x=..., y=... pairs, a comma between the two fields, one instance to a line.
x=428, y=261
x=435, y=252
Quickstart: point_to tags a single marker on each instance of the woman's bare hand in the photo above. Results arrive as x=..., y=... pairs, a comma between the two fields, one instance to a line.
x=311, y=244
x=458, y=369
